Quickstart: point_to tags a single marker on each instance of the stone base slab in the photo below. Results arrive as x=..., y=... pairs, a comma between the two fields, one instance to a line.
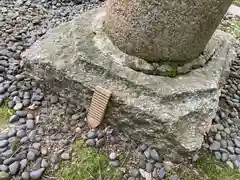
x=172, y=113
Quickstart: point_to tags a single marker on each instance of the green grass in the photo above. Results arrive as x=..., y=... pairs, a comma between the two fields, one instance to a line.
x=207, y=168
x=5, y=114
x=235, y=29
x=88, y=164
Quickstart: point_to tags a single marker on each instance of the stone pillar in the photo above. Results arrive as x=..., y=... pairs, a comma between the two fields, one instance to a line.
x=163, y=30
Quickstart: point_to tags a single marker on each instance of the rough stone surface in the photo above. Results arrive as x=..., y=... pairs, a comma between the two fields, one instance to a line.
x=154, y=32
x=173, y=113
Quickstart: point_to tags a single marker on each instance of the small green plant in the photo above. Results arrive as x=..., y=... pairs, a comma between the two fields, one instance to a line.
x=5, y=114
x=235, y=29
x=16, y=144
x=207, y=168
x=87, y=164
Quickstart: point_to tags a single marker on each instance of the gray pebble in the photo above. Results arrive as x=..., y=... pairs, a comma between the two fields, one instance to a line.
x=31, y=156
x=175, y=177
x=113, y=156
x=232, y=157
x=22, y=121
x=44, y=163
x=3, y=143
x=65, y=156
x=3, y=168
x=237, y=143
x=30, y=116
x=23, y=164
x=92, y=134
x=224, y=157
x=100, y=143
x=230, y=149
x=14, y=118
x=217, y=155
x=30, y=124
x=218, y=137
x=230, y=164
x=21, y=133
x=91, y=142
x=32, y=135
x=147, y=153
x=162, y=173
x=237, y=150
x=142, y=147
x=37, y=174
x=14, y=167
x=36, y=146
x=81, y=124
x=154, y=155
x=227, y=130
x=114, y=163
x=134, y=172
x=18, y=106
x=25, y=175
x=154, y=173
x=142, y=164
x=215, y=146
x=24, y=140
x=149, y=167
x=54, y=99
x=131, y=178
x=21, y=113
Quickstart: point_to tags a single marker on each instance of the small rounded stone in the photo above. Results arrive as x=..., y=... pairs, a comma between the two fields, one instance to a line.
x=113, y=156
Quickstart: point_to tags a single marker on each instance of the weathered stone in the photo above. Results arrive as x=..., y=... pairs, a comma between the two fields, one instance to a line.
x=164, y=30
x=176, y=112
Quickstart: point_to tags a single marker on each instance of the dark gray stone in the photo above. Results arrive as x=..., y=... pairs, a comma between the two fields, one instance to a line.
x=92, y=134
x=14, y=118
x=91, y=142
x=147, y=153
x=100, y=143
x=3, y=143
x=215, y=146
x=149, y=167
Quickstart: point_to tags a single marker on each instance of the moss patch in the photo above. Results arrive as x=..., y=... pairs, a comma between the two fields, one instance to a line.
x=88, y=164
x=207, y=168
x=5, y=114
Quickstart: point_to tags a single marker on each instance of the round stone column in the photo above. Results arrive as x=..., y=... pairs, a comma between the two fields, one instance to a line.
x=163, y=30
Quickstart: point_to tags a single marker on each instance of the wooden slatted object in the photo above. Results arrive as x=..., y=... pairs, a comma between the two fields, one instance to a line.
x=98, y=106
